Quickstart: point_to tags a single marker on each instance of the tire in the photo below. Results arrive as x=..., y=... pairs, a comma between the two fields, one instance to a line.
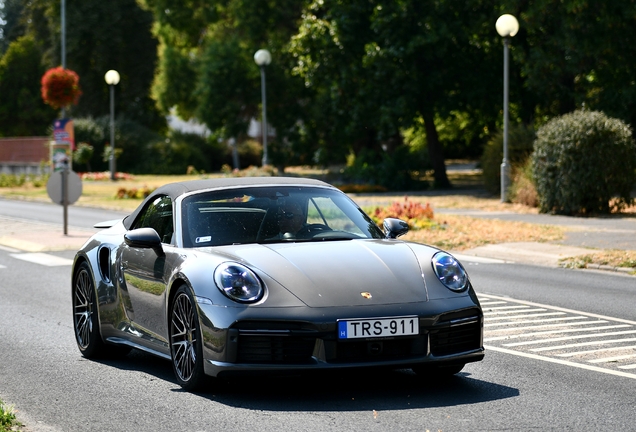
x=186, y=344
x=438, y=372
x=85, y=314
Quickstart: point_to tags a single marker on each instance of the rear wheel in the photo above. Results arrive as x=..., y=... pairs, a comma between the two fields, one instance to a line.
x=85, y=317
x=186, y=349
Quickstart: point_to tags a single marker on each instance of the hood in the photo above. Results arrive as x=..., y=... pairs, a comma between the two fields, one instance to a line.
x=324, y=274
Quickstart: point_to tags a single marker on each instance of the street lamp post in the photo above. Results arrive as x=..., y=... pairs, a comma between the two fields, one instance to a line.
x=507, y=26
x=263, y=58
x=112, y=79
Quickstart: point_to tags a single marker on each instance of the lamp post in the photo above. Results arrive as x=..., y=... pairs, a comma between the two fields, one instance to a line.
x=262, y=57
x=507, y=26
x=112, y=79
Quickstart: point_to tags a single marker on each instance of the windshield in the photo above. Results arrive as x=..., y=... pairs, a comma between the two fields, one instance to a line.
x=272, y=214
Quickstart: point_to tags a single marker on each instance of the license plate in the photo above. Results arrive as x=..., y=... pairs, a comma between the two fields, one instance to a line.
x=378, y=327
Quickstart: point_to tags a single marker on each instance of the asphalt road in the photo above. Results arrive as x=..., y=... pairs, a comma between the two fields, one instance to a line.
x=55, y=389
x=80, y=217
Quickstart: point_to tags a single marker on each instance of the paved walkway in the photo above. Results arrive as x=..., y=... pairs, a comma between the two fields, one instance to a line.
x=29, y=236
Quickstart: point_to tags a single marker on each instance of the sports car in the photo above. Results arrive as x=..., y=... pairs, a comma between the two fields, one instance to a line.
x=270, y=274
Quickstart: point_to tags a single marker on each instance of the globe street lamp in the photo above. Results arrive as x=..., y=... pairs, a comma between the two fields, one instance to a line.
x=507, y=26
x=112, y=79
x=262, y=59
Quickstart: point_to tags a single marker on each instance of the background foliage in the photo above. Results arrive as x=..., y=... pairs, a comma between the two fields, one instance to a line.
x=399, y=84
x=584, y=163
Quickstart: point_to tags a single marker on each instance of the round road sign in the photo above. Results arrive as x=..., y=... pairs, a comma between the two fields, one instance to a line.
x=54, y=187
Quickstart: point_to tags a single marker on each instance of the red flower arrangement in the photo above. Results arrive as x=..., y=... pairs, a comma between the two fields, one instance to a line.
x=60, y=87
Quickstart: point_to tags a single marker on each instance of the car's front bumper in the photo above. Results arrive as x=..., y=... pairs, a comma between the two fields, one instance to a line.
x=295, y=339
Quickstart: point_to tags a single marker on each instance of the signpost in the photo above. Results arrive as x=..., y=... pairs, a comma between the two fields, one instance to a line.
x=64, y=186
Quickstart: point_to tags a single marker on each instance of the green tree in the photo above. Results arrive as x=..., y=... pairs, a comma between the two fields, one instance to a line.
x=102, y=36
x=384, y=63
x=11, y=26
x=22, y=111
x=206, y=68
x=582, y=53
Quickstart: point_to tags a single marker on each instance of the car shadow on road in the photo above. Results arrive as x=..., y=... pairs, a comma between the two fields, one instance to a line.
x=355, y=390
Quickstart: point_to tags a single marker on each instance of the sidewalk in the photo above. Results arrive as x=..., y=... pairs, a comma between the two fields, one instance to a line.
x=29, y=236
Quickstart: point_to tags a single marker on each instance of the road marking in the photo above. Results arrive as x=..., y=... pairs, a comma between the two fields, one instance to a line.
x=582, y=344
x=526, y=309
x=612, y=359
x=478, y=259
x=586, y=336
x=565, y=362
x=527, y=316
x=542, y=336
x=500, y=308
x=563, y=319
x=561, y=331
x=587, y=314
x=595, y=351
x=43, y=259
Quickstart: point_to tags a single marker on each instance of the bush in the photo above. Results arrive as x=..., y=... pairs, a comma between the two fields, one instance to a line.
x=520, y=145
x=581, y=162
x=523, y=189
x=92, y=132
x=83, y=155
x=418, y=216
x=19, y=180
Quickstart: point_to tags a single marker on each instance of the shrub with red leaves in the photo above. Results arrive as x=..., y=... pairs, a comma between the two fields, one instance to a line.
x=418, y=216
x=60, y=87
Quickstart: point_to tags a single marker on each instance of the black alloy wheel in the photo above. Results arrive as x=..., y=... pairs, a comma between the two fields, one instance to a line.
x=186, y=349
x=85, y=318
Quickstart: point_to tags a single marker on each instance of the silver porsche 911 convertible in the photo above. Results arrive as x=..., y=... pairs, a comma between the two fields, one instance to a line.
x=270, y=274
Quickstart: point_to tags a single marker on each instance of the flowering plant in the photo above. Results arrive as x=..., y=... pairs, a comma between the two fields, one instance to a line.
x=60, y=87
x=418, y=216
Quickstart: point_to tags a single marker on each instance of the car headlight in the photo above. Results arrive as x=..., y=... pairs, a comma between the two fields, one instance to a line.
x=238, y=282
x=450, y=272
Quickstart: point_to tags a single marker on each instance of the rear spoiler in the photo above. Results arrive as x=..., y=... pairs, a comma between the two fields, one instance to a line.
x=107, y=224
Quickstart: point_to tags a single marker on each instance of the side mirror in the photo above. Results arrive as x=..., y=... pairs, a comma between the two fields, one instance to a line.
x=144, y=238
x=393, y=228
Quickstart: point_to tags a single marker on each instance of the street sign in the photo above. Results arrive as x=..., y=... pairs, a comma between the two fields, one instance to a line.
x=54, y=187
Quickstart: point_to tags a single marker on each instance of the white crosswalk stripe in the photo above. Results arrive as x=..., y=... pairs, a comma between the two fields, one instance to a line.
x=537, y=331
x=43, y=259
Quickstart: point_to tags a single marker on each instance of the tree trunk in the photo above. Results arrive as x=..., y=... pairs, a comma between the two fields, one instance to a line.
x=435, y=151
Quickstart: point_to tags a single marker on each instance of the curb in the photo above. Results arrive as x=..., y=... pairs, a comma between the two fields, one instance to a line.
x=627, y=270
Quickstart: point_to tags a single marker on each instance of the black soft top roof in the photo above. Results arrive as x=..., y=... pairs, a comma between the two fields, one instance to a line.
x=174, y=190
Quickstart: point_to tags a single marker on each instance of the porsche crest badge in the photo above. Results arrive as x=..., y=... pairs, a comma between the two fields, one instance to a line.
x=366, y=295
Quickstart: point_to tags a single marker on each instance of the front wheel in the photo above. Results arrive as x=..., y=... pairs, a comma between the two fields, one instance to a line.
x=85, y=316
x=186, y=345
